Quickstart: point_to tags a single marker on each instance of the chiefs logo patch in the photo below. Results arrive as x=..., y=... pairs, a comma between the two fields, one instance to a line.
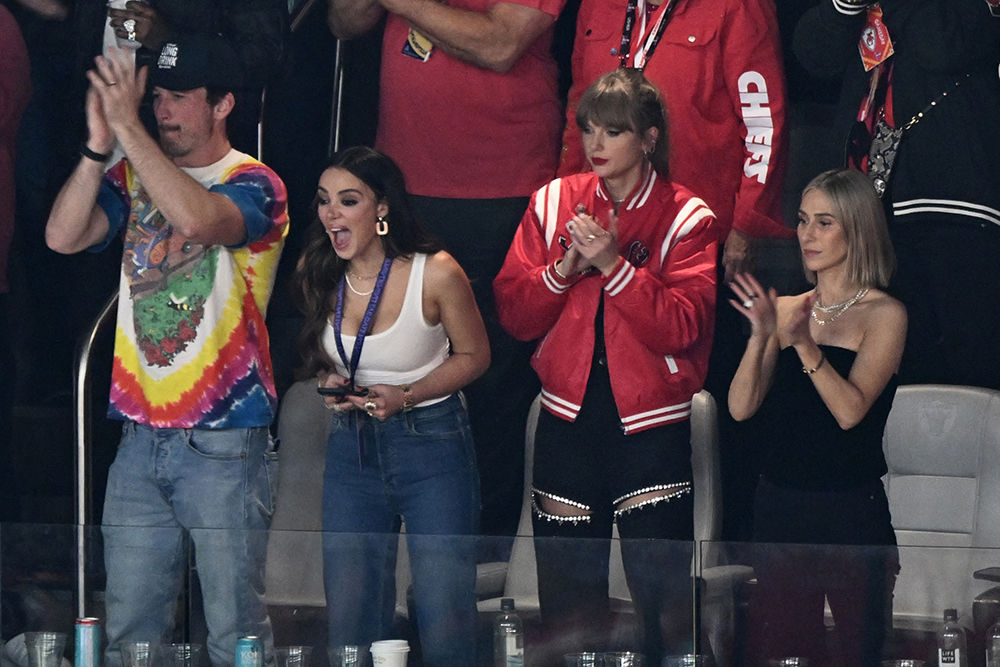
x=637, y=254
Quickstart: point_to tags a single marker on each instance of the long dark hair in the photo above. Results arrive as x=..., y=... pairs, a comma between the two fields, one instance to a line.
x=320, y=270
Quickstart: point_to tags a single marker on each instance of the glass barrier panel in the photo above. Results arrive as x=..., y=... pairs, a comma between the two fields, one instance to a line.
x=842, y=605
x=42, y=569
x=623, y=600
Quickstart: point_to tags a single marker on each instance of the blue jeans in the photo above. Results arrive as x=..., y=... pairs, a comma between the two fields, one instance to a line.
x=419, y=466
x=216, y=486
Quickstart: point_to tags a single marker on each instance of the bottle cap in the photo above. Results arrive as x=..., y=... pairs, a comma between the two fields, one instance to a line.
x=507, y=604
x=951, y=614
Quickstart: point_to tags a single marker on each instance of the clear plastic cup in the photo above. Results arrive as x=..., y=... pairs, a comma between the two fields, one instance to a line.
x=623, y=659
x=45, y=649
x=791, y=661
x=292, y=656
x=688, y=660
x=349, y=656
x=180, y=655
x=137, y=654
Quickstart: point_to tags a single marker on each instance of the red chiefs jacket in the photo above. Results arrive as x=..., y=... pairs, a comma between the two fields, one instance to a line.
x=658, y=302
x=719, y=67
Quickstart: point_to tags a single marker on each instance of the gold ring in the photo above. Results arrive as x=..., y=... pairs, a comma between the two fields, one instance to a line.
x=590, y=237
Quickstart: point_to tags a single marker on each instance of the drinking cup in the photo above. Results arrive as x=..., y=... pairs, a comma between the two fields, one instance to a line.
x=791, y=661
x=292, y=656
x=688, y=660
x=180, y=655
x=390, y=653
x=348, y=656
x=137, y=654
x=45, y=649
x=623, y=659
x=587, y=659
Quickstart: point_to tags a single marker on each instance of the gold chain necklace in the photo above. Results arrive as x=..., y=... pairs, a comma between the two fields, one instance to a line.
x=348, y=279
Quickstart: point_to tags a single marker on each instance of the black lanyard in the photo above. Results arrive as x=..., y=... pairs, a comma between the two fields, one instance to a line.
x=652, y=42
x=338, y=319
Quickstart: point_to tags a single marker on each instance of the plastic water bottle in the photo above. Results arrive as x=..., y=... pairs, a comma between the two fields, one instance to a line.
x=952, y=642
x=993, y=646
x=508, y=637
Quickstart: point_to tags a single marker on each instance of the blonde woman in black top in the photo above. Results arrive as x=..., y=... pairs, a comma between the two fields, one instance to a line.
x=818, y=377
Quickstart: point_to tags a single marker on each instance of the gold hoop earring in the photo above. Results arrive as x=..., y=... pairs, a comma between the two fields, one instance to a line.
x=381, y=226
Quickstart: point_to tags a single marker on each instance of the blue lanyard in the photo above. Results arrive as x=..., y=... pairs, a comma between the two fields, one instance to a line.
x=338, y=319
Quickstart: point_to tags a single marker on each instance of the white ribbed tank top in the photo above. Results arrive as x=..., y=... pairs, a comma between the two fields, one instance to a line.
x=403, y=353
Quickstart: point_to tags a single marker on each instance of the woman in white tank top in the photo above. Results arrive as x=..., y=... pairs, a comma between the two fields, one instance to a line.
x=392, y=332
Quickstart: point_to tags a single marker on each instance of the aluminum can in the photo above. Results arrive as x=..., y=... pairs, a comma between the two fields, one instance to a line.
x=88, y=643
x=249, y=652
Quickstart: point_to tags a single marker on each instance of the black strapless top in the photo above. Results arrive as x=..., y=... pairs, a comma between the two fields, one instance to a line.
x=804, y=447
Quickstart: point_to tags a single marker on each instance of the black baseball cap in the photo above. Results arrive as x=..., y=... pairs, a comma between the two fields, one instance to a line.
x=194, y=61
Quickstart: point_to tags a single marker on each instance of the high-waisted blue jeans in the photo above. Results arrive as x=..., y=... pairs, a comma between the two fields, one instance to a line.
x=419, y=466
x=215, y=485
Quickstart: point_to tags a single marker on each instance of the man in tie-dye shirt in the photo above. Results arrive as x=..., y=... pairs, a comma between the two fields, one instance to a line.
x=203, y=226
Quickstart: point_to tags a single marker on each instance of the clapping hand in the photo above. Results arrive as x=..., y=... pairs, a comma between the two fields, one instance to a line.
x=756, y=304
x=593, y=245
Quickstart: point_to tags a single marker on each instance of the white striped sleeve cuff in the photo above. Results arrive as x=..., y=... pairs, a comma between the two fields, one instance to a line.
x=850, y=8
x=556, y=283
x=620, y=277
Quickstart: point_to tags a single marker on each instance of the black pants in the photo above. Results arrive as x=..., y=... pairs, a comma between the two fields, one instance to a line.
x=804, y=556
x=478, y=234
x=949, y=280
x=9, y=496
x=592, y=463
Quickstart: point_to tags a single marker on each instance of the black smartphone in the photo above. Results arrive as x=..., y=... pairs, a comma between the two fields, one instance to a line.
x=343, y=390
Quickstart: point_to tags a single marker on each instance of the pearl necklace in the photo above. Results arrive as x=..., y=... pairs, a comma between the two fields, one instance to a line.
x=840, y=308
x=348, y=279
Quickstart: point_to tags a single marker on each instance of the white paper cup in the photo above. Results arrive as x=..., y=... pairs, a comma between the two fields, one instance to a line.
x=390, y=653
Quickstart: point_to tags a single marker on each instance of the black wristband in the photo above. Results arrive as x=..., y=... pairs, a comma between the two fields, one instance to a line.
x=86, y=152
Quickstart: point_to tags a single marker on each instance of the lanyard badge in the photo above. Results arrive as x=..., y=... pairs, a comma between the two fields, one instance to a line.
x=418, y=46
x=875, y=45
x=645, y=51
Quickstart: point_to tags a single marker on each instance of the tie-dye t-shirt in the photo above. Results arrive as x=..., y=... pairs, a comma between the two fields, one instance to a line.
x=191, y=348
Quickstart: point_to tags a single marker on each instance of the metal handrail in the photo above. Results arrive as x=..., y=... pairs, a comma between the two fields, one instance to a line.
x=336, y=115
x=83, y=436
